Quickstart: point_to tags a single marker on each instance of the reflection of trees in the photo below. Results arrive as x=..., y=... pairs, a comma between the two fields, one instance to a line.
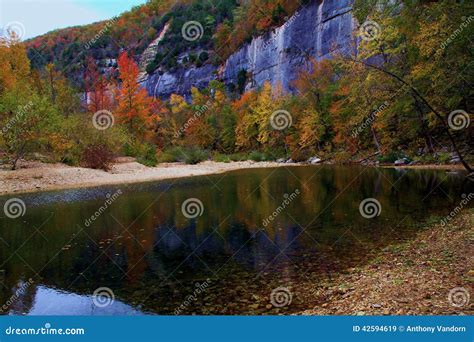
x=23, y=297
x=17, y=298
x=153, y=239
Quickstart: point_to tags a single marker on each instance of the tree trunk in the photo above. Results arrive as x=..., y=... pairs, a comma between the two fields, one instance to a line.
x=423, y=100
x=424, y=128
x=376, y=140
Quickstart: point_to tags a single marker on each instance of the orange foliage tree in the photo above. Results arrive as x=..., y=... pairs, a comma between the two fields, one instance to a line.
x=134, y=106
x=98, y=95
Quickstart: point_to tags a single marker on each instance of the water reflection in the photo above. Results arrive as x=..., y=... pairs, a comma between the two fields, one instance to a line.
x=41, y=300
x=151, y=255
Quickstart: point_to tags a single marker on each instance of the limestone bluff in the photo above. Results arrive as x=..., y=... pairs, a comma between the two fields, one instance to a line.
x=316, y=30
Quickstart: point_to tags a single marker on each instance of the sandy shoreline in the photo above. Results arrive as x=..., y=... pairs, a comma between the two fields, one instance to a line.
x=413, y=277
x=37, y=176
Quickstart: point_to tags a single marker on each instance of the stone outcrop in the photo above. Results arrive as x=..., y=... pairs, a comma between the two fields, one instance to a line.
x=150, y=52
x=314, y=32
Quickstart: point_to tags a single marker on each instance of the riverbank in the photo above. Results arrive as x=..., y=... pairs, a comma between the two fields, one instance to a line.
x=413, y=278
x=38, y=176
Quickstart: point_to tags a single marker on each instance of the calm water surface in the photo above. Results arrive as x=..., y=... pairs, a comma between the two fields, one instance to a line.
x=227, y=260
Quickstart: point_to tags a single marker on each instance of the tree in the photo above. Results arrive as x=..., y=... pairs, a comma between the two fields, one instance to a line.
x=14, y=63
x=28, y=120
x=246, y=131
x=134, y=108
x=416, y=60
x=198, y=129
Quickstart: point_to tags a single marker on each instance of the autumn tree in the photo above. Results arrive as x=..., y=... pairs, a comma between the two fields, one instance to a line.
x=246, y=131
x=27, y=118
x=134, y=107
x=14, y=63
x=99, y=95
x=198, y=128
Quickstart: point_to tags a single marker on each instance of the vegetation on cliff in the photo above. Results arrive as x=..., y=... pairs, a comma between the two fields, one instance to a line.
x=404, y=96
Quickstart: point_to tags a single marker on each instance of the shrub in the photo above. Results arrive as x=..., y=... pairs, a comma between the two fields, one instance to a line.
x=275, y=153
x=444, y=157
x=238, y=157
x=257, y=156
x=97, y=157
x=221, y=158
x=188, y=155
x=169, y=155
x=147, y=156
x=241, y=80
x=203, y=56
x=80, y=133
x=195, y=155
x=144, y=153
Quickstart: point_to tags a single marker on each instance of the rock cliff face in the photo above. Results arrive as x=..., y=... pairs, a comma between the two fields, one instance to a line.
x=314, y=32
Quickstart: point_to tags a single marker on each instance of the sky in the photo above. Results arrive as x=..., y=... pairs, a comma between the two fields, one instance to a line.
x=36, y=17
